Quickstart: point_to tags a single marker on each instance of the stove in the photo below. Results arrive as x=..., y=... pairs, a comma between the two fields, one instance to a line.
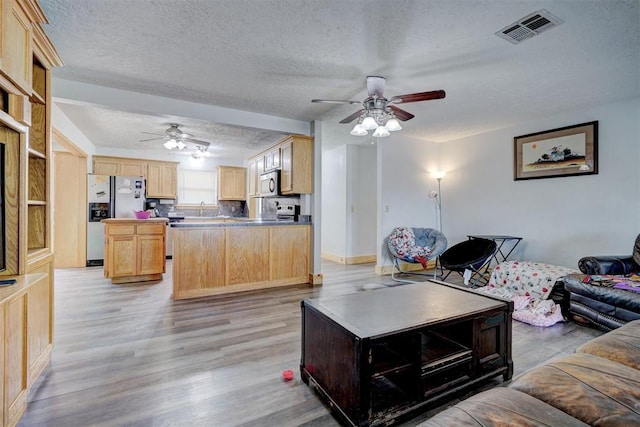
x=287, y=211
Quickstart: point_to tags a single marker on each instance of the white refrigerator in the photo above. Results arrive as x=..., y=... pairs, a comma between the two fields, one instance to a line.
x=110, y=197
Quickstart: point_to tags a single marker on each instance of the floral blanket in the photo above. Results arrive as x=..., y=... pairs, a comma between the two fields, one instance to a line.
x=528, y=284
x=403, y=241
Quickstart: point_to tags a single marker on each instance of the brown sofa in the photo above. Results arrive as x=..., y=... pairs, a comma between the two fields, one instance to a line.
x=598, y=385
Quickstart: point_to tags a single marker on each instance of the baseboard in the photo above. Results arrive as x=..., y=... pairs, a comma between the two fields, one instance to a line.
x=364, y=259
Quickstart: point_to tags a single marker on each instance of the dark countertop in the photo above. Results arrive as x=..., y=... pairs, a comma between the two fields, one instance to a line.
x=237, y=222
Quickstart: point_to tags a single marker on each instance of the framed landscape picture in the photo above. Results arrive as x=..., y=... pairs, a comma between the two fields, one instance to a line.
x=567, y=151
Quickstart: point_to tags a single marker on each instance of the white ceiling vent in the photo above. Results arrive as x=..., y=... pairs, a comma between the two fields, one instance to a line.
x=529, y=26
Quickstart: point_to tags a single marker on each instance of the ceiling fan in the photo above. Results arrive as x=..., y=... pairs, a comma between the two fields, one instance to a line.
x=378, y=112
x=176, y=138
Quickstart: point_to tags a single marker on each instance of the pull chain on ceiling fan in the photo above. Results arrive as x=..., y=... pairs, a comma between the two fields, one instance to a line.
x=378, y=112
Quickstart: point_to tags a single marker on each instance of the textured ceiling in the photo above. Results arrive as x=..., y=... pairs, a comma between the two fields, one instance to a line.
x=274, y=56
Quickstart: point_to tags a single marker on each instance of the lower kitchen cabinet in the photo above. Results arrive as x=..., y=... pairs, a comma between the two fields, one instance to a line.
x=134, y=249
x=26, y=338
x=222, y=258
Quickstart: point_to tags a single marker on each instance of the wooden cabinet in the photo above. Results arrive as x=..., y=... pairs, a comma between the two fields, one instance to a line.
x=26, y=307
x=134, y=249
x=16, y=51
x=293, y=156
x=239, y=258
x=162, y=179
x=231, y=183
x=272, y=159
x=296, y=168
x=15, y=344
x=252, y=178
x=121, y=166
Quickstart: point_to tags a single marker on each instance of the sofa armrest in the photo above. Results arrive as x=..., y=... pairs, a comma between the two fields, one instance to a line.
x=608, y=265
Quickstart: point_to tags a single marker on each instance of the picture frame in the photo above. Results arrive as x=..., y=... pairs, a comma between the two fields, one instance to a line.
x=566, y=151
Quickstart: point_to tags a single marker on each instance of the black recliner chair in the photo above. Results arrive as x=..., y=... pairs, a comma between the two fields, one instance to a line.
x=604, y=306
x=608, y=264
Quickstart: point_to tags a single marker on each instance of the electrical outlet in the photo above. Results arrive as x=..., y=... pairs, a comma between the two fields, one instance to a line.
x=386, y=208
x=233, y=208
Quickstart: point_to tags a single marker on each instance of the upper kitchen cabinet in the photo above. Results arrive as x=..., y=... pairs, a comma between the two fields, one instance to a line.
x=161, y=179
x=272, y=159
x=15, y=54
x=296, y=165
x=121, y=166
x=232, y=183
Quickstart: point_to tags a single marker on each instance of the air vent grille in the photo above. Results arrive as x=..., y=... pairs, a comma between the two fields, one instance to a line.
x=529, y=26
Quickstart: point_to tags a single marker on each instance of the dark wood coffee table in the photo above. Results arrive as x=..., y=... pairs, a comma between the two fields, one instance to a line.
x=380, y=355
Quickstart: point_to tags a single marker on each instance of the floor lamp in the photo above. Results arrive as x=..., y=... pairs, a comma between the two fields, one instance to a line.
x=437, y=196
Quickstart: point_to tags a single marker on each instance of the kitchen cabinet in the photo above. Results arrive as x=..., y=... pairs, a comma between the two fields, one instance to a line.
x=296, y=167
x=15, y=47
x=272, y=159
x=15, y=340
x=252, y=178
x=162, y=179
x=134, y=249
x=232, y=183
x=240, y=257
x=120, y=166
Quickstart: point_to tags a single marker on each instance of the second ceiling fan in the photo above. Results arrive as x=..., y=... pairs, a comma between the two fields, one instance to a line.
x=176, y=138
x=378, y=112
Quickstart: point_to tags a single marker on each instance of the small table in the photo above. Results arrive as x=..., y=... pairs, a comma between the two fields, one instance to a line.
x=379, y=355
x=500, y=241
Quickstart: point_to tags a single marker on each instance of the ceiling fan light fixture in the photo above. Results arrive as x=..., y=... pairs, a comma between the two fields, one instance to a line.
x=170, y=144
x=359, y=130
x=393, y=125
x=381, y=132
x=369, y=123
x=180, y=145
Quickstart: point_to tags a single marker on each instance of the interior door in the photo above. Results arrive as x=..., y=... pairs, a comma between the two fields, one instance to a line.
x=70, y=210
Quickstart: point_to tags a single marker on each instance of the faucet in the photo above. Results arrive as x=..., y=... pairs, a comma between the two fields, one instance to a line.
x=201, y=207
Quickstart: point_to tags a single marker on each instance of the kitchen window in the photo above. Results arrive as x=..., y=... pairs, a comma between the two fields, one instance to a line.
x=196, y=186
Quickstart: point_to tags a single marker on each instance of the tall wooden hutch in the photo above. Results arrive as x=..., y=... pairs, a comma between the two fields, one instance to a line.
x=26, y=307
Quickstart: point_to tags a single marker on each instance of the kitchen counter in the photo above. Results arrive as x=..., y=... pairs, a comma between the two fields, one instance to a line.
x=221, y=257
x=233, y=222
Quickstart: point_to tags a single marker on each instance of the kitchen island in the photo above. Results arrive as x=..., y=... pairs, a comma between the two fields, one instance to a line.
x=212, y=257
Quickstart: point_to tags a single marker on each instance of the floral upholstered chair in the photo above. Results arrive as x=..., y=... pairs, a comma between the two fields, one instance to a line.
x=414, y=245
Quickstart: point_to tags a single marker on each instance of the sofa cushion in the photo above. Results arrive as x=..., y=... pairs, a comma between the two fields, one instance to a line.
x=595, y=390
x=621, y=345
x=502, y=407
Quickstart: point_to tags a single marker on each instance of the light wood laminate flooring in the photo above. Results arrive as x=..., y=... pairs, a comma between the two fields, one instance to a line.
x=127, y=355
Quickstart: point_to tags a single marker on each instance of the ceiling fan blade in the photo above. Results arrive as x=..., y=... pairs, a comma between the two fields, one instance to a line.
x=375, y=85
x=417, y=97
x=196, y=141
x=401, y=114
x=352, y=117
x=150, y=139
x=334, y=101
x=152, y=133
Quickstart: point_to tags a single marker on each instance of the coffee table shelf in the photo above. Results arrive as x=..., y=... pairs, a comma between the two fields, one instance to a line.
x=381, y=355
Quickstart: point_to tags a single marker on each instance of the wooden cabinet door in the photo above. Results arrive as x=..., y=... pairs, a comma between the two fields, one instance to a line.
x=231, y=183
x=16, y=52
x=289, y=248
x=161, y=180
x=252, y=179
x=151, y=257
x=15, y=380
x=120, y=259
x=105, y=167
x=286, y=178
x=132, y=168
x=40, y=325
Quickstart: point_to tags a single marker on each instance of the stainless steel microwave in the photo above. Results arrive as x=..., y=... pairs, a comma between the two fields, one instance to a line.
x=270, y=184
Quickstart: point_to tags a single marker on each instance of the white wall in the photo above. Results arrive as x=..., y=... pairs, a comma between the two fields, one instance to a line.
x=361, y=201
x=560, y=219
x=334, y=197
x=61, y=122
x=404, y=180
